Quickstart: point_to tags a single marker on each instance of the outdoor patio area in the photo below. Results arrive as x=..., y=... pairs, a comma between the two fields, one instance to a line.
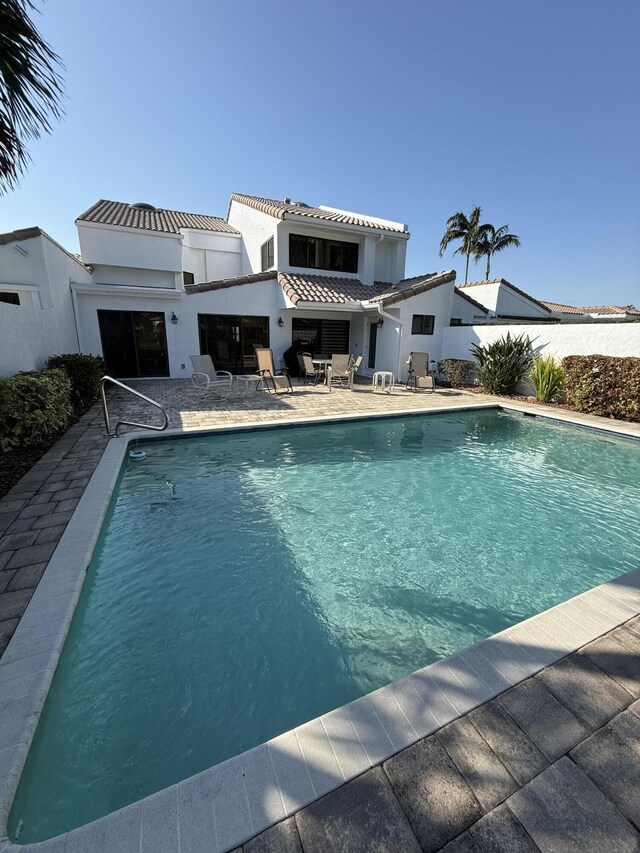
x=548, y=759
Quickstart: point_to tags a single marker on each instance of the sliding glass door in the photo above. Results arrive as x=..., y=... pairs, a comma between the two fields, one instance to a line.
x=134, y=343
x=231, y=340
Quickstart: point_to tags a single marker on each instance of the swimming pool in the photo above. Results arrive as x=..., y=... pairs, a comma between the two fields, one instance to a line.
x=247, y=582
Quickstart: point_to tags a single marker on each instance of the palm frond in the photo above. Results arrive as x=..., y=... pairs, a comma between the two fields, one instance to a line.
x=30, y=88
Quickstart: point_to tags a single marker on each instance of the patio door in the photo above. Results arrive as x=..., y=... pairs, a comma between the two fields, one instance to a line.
x=231, y=340
x=134, y=343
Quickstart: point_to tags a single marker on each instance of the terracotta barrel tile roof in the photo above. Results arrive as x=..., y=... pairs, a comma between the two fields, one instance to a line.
x=126, y=215
x=591, y=309
x=229, y=282
x=281, y=209
x=333, y=290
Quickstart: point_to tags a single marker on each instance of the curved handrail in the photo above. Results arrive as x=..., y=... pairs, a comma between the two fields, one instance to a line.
x=105, y=410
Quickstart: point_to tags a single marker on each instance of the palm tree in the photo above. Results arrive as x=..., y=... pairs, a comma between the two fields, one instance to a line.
x=30, y=88
x=459, y=227
x=491, y=240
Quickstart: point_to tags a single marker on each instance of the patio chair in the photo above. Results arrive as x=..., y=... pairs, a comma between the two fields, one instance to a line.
x=339, y=371
x=312, y=373
x=205, y=378
x=354, y=369
x=419, y=376
x=274, y=380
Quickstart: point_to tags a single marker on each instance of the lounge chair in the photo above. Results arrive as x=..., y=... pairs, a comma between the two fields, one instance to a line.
x=339, y=371
x=274, y=380
x=354, y=369
x=312, y=373
x=419, y=376
x=205, y=378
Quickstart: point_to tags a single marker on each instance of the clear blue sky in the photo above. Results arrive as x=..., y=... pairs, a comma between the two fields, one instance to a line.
x=409, y=111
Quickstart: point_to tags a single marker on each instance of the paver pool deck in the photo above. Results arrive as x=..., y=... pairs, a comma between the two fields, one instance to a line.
x=533, y=742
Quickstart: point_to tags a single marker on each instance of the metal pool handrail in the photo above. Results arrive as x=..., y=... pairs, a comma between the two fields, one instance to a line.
x=105, y=410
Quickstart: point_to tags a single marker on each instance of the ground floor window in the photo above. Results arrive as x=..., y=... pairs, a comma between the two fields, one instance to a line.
x=134, y=343
x=10, y=298
x=231, y=340
x=422, y=324
x=323, y=337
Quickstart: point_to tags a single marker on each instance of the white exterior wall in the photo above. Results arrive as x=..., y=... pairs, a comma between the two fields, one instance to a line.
x=43, y=324
x=512, y=304
x=263, y=299
x=131, y=277
x=465, y=311
x=558, y=340
x=210, y=256
x=256, y=228
x=112, y=245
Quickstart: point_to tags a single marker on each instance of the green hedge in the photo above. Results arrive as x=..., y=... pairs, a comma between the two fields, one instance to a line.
x=34, y=408
x=603, y=385
x=85, y=373
x=458, y=371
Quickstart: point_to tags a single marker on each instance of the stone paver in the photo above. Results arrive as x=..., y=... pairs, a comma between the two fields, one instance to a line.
x=562, y=810
x=520, y=756
x=585, y=690
x=485, y=774
x=500, y=831
x=552, y=727
x=611, y=759
x=619, y=662
x=433, y=793
x=361, y=817
x=281, y=838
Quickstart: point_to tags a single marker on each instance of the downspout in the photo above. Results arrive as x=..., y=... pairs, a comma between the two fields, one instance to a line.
x=400, y=325
x=75, y=315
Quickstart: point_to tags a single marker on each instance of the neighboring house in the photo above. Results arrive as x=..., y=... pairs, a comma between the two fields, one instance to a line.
x=591, y=312
x=167, y=285
x=36, y=311
x=505, y=301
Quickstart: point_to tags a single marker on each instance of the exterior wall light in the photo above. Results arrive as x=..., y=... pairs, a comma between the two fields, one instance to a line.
x=280, y=322
x=174, y=319
x=380, y=323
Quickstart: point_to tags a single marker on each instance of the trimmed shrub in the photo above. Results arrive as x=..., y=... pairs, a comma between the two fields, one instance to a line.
x=34, y=408
x=604, y=385
x=547, y=376
x=458, y=371
x=503, y=363
x=85, y=373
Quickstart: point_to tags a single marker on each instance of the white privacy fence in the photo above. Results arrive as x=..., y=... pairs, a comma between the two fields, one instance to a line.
x=558, y=339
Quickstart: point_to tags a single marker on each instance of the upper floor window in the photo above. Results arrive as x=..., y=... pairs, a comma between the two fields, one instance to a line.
x=188, y=278
x=422, y=324
x=10, y=298
x=267, y=255
x=316, y=253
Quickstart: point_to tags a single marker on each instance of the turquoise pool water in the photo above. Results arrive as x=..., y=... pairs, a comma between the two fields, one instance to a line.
x=247, y=582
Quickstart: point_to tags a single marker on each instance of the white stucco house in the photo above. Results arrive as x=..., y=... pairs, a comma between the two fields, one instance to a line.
x=166, y=285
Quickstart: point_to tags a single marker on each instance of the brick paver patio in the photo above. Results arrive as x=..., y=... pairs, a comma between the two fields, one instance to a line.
x=552, y=764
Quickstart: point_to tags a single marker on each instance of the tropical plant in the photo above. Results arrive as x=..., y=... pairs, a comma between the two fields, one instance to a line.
x=503, y=363
x=491, y=240
x=30, y=88
x=461, y=227
x=548, y=377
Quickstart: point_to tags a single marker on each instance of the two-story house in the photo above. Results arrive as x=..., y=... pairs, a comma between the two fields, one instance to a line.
x=167, y=284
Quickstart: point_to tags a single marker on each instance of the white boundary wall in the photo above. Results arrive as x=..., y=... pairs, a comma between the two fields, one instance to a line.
x=558, y=340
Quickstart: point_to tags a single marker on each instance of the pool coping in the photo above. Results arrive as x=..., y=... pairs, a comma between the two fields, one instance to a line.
x=246, y=794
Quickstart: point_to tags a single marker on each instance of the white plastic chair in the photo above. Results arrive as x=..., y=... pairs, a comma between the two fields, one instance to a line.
x=205, y=378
